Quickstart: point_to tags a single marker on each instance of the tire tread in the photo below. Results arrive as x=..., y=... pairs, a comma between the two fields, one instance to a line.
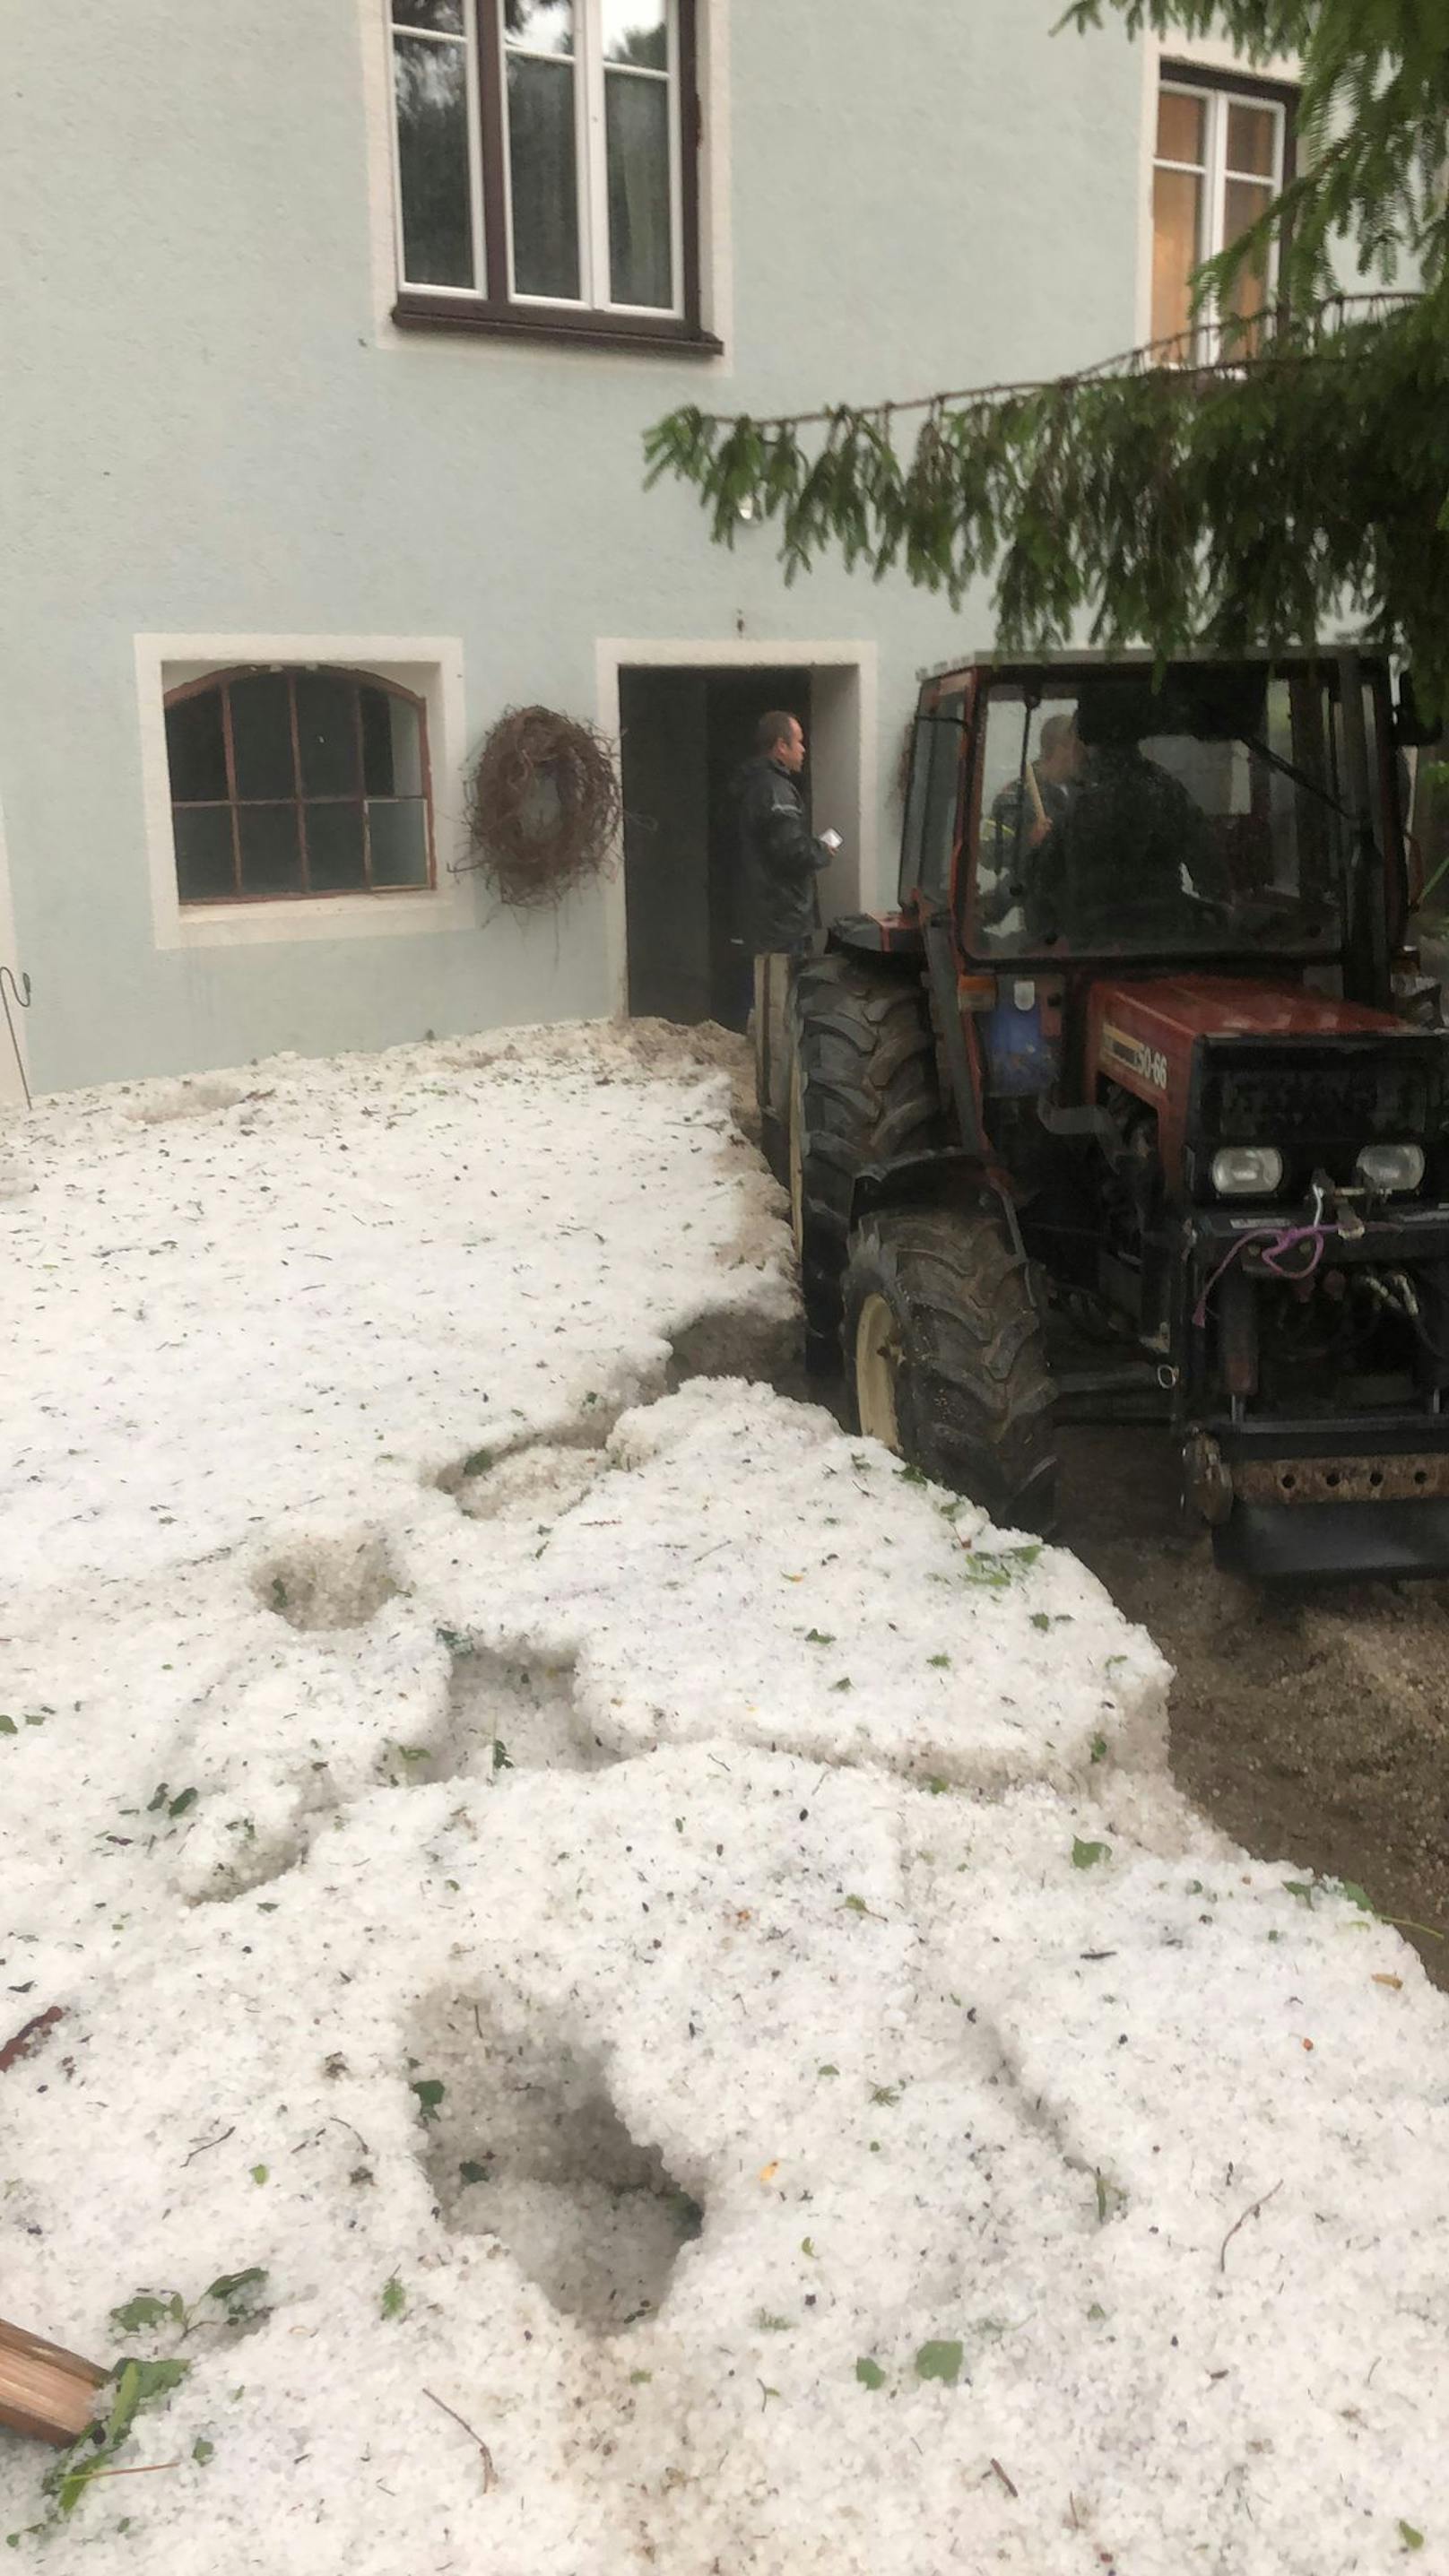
x=974, y=1395
x=867, y=1055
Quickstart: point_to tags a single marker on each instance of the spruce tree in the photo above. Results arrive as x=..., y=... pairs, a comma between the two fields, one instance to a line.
x=1299, y=478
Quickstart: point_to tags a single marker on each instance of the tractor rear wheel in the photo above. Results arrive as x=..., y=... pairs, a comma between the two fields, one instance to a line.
x=863, y=1089
x=946, y=1361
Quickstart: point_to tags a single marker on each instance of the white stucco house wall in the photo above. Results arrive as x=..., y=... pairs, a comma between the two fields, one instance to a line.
x=321, y=446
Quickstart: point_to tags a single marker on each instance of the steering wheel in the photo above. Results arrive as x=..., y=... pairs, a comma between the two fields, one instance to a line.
x=1168, y=917
x=1221, y=915
x=1268, y=908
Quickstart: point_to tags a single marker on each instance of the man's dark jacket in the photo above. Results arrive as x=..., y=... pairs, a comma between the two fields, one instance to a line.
x=779, y=860
x=1116, y=859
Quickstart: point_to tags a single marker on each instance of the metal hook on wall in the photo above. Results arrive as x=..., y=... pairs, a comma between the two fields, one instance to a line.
x=21, y=992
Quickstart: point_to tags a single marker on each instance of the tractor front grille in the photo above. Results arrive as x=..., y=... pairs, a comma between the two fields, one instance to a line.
x=1320, y=1101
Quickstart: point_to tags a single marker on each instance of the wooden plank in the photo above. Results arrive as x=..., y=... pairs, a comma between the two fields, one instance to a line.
x=44, y=2391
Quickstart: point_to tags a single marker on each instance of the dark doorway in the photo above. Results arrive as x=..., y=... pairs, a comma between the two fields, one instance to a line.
x=685, y=734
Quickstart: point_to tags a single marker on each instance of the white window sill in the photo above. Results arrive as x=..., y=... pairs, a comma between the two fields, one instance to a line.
x=401, y=914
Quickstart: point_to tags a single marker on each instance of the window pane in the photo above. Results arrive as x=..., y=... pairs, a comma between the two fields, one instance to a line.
x=334, y=847
x=432, y=133
x=1181, y=124
x=1176, y=217
x=637, y=31
x=938, y=832
x=1242, y=205
x=636, y=116
x=1225, y=851
x=444, y=16
x=1243, y=202
x=271, y=855
x=261, y=732
x=1429, y=820
x=545, y=188
x=399, y=835
x=392, y=745
x=546, y=25
x=1252, y=141
x=327, y=734
x=360, y=819
x=203, y=854
x=195, y=748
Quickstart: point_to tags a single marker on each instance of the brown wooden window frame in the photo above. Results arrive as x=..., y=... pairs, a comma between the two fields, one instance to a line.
x=220, y=683
x=1252, y=90
x=492, y=305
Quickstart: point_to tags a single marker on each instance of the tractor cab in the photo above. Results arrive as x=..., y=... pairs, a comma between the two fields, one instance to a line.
x=1240, y=819
x=1136, y=1109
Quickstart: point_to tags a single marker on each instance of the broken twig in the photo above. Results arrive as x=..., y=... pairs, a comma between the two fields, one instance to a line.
x=152, y=2469
x=208, y=2143
x=1005, y=2480
x=484, y=2453
x=1242, y=2222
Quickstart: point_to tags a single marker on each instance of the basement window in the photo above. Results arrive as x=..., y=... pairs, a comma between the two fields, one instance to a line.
x=295, y=782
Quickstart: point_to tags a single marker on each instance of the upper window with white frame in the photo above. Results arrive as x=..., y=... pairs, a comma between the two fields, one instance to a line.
x=1224, y=152
x=547, y=166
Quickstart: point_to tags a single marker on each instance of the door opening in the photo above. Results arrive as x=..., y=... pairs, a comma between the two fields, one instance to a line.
x=685, y=734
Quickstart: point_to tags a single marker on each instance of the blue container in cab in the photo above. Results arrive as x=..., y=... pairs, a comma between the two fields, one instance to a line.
x=1021, y=1059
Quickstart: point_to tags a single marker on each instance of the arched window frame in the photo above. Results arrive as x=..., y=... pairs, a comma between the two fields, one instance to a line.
x=357, y=678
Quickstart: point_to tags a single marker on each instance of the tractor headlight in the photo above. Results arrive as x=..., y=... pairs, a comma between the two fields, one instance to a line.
x=1391, y=1168
x=1247, y=1171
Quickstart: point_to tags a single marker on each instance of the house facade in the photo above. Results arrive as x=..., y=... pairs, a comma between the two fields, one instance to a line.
x=332, y=330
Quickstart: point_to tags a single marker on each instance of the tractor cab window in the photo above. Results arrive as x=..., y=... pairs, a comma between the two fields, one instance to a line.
x=1209, y=815
x=928, y=843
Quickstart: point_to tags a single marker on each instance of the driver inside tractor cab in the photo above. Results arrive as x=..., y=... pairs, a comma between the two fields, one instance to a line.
x=1027, y=807
x=1133, y=846
x=1123, y=845
x=1091, y=841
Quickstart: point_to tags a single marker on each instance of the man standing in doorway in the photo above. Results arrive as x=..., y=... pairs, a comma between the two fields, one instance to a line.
x=780, y=862
x=779, y=857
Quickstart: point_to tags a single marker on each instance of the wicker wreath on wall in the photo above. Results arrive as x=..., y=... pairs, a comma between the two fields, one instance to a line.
x=543, y=807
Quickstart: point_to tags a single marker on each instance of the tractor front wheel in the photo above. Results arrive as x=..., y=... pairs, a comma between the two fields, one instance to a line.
x=945, y=1359
x=862, y=1089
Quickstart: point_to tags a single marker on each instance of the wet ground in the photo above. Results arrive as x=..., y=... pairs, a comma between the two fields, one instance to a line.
x=1312, y=1725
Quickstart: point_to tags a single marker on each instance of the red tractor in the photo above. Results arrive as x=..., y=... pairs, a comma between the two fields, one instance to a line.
x=1136, y=1109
